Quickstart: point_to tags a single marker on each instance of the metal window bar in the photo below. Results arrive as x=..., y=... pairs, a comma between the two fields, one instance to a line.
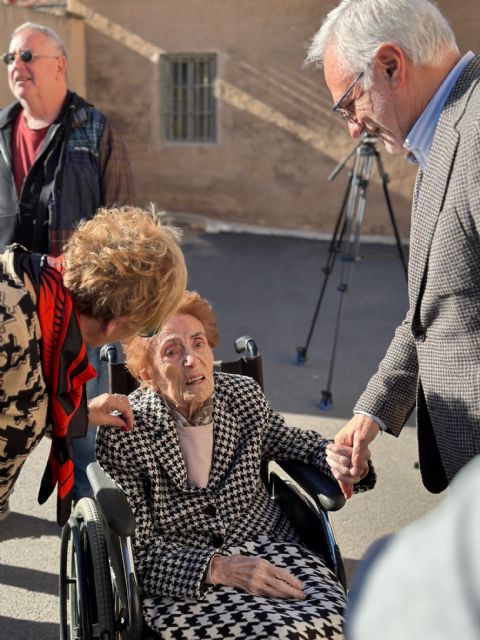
x=188, y=97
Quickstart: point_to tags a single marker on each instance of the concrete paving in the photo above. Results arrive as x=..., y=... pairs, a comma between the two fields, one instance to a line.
x=265, y=286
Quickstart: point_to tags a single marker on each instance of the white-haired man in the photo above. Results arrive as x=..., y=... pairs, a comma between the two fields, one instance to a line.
x=60, y=160
x=394, y=70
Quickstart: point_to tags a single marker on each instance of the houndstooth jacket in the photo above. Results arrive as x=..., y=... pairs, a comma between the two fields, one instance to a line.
x=180, y=527
x=434, y=358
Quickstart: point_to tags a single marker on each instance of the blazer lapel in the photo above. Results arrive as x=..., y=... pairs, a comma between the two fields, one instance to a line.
x=434, y=185
x=164, y=441
x=225, y=437
x=416, y=191
x=429, y=203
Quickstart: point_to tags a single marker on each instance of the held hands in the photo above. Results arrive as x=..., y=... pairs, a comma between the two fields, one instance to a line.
x=349, y=456
x=339, y=457
x=111, y=409
x=254, y=575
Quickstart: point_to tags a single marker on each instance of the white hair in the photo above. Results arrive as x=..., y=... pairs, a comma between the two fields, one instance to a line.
x=44, y=30
x=356, y=28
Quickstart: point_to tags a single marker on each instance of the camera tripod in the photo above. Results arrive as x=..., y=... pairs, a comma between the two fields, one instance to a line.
x=346, y=239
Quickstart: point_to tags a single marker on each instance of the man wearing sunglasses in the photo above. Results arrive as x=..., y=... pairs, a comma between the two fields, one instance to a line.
x=60, y=160
x=394, y=71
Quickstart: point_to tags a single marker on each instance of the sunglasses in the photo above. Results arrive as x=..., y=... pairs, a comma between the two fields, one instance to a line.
x=344, y=111
x=25, y=56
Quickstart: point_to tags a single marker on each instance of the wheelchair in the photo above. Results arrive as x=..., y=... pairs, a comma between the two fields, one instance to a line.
x=99, y=593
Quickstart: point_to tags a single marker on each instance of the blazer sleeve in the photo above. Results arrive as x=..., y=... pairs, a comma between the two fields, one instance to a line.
x=163, y=567
x=391, y=393
x=283, y=442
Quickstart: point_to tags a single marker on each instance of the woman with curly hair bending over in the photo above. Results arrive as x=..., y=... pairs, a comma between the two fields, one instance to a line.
x=122, y=274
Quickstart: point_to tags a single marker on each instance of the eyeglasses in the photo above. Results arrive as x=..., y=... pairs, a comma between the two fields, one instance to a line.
x=344, y=111
x=25, y=56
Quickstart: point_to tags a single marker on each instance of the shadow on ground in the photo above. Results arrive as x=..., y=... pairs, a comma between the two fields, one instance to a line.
x=19, y=525
x=13, y=629
x=30, y=579
x=351, y=565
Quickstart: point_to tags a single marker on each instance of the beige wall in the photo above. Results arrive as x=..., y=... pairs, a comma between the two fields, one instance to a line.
x=277, y=140
x=72, y=32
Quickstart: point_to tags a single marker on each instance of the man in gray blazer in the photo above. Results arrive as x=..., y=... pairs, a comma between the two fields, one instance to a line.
x=394, y=70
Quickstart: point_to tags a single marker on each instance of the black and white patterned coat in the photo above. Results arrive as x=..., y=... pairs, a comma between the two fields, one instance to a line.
x=434, y=358
x=180, y=527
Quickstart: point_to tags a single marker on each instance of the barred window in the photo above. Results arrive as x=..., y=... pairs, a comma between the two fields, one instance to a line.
x=188, y=100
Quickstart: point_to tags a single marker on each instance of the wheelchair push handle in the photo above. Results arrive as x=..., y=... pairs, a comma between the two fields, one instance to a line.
x=246, y=344
x=109, y=353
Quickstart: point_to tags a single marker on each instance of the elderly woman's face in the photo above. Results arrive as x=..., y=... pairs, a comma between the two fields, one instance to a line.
x=183, y=364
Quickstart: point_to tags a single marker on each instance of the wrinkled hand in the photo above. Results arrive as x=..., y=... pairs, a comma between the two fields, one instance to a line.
x=339, y=457
x=106, y=410
x=358, y=433
x=256, y=576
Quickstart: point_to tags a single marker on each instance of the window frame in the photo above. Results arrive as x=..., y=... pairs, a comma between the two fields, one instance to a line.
x=188, y=98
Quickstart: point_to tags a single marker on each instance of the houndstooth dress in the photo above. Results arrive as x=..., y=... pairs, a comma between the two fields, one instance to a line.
x=180, y=527
x=226, y=612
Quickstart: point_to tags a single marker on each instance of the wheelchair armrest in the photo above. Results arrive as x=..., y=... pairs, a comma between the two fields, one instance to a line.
x=323, y=491
x=111, y=501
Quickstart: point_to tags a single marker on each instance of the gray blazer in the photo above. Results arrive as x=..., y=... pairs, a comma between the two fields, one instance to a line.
x=433, y=359
x=180, y=527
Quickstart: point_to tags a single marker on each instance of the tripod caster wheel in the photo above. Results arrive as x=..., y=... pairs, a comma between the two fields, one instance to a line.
x=301, y=356
x=326, y=402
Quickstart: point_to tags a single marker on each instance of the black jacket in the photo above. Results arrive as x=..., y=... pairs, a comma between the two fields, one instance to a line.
x=81, y=166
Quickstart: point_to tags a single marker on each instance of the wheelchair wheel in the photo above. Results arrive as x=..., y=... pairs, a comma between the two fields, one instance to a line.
x=86, y=599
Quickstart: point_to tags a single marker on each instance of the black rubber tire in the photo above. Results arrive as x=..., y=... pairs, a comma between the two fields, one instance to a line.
x=73, y=626
x=101, y=600
x=98, y=568
x=65, y=590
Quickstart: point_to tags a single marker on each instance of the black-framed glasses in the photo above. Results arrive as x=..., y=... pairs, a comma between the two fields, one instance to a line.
x=25, y=56
x=344, y=111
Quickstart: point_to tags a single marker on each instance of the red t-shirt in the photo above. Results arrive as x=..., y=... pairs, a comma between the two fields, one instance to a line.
x=25, y=145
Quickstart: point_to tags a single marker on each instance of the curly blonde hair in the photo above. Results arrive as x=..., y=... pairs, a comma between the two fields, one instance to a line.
x=139, y=352
x=125, y=262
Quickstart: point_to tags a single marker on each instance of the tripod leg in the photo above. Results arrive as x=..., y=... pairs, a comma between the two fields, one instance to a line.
x=333, y=250
x=385, y=180
x=355, y=216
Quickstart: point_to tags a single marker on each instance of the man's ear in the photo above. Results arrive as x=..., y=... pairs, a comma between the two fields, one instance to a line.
x=62, y=66
x=391, y=62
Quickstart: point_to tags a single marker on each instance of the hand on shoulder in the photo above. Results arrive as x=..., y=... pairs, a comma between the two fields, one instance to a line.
x=111, y=409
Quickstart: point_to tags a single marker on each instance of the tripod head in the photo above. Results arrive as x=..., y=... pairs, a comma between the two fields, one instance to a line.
x=367, y=138
x=366, y=145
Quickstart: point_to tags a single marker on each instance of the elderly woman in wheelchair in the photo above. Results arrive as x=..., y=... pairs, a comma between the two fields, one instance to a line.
x=214, y=554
